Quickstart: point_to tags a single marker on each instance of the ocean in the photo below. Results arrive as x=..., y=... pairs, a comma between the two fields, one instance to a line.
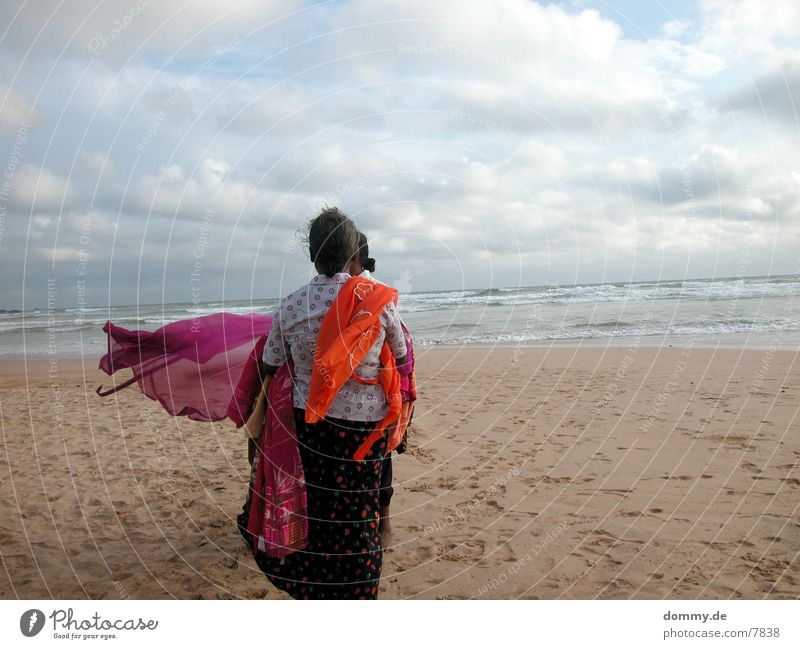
x=756, y=312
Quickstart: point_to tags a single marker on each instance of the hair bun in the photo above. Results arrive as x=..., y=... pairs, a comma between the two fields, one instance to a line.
x=369, y=264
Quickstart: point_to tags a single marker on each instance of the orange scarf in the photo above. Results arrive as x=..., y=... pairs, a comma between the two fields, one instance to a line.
x=348, y=331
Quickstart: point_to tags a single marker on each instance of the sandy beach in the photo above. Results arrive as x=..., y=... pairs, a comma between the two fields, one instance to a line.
x=573, y=473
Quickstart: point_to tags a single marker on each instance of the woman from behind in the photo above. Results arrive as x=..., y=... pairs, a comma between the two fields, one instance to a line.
x=344, y=555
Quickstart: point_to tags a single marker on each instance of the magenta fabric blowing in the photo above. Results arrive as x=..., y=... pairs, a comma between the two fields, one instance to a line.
x=193, y=367
x=206, y=369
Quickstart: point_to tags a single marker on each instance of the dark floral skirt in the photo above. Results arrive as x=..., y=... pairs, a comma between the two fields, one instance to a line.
x=344, y=555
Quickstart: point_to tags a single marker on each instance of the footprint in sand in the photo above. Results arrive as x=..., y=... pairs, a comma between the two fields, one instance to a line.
x=421, y=454
x=628, y=514
x=471, y=551
x=424, y=552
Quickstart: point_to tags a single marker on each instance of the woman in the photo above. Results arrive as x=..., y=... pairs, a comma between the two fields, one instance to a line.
x=363, y=266
x=344, y=555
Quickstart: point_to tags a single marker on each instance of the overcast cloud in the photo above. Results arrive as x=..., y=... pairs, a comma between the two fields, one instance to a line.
x=478, y=144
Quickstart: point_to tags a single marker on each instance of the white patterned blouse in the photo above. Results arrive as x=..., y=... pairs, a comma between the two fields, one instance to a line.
x=295, y=326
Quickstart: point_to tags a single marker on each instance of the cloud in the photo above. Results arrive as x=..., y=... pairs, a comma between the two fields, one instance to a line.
x=479, y=141
x=748, y=29
x=774, y=96
x=712, y=171
x=34, y=188
x=516, y=63
x=94, y=164
x=208, y=188
x=116, y=31
x=15, y=110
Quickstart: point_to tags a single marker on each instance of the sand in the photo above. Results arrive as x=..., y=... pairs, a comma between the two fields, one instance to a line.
x=573, y=473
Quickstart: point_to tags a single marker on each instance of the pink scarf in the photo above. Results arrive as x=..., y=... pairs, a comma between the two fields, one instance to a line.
x=206, y=369
x=278, y=507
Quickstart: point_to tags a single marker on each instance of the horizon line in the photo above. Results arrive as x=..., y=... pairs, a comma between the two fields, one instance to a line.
x=642, y=281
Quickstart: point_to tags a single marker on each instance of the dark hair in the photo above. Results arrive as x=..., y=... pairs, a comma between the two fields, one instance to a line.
x=367, y=262
x=332, y=241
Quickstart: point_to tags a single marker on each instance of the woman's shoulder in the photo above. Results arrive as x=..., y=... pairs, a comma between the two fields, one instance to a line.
x=317, y=283
x=291, y=299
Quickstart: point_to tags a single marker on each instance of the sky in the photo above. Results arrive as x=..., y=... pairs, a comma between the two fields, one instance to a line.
x=174, y=152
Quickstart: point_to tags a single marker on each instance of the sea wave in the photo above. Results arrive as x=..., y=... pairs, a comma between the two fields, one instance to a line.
x=483, y=315
x=66, y=323
x=640, y=292
x=595, y=332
